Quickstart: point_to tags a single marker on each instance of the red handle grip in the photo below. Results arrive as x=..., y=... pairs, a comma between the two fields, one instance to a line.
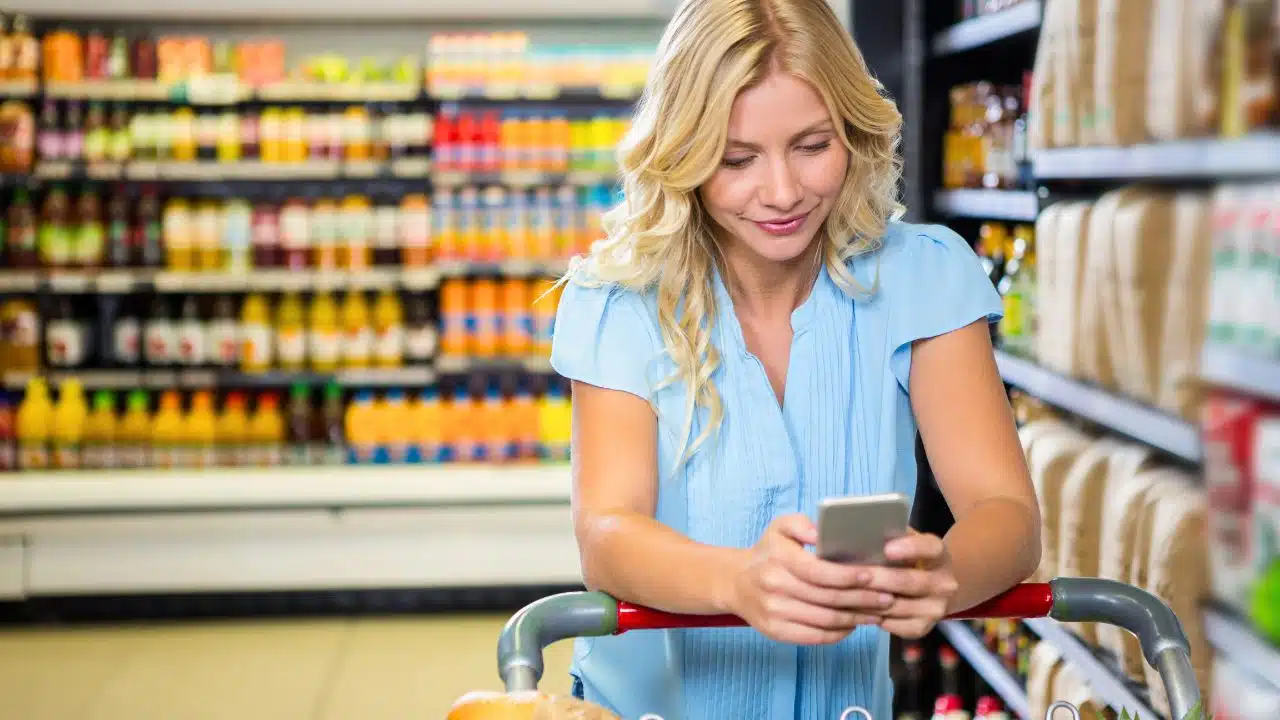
x=1030, y=600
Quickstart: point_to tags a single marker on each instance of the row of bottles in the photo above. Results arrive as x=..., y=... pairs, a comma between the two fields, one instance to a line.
x=528, y=139
x=74, y=131
x=497, y=223
x=986, y=145
x=1009, y=258
x=951, y=703
x=508, y=62
x=123, y=430
x=322, y=333
x=488, y=318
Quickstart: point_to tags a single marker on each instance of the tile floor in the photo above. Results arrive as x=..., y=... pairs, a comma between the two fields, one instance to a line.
x=358, y=669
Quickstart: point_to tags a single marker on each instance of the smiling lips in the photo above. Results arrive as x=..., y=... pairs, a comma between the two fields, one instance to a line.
x=784, y=226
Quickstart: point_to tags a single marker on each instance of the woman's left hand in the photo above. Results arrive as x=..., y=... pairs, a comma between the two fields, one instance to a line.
x=922, y=584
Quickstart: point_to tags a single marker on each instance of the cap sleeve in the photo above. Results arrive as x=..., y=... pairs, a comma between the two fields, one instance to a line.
x=605, y=336
x=939, y=286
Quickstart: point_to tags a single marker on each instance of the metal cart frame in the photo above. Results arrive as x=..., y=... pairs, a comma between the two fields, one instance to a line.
x=594, y=614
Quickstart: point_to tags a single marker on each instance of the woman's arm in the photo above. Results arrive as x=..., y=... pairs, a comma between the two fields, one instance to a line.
x=624, y=551
x=972, y=443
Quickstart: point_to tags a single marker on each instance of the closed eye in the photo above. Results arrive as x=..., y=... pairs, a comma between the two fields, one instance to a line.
x=816, y=148
x=736, y=163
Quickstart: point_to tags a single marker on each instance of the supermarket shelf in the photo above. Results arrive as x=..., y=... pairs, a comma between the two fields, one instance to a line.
x=456, y=365
x=18, y=281
x=1127, y=417
x=285, y=529
x=988, y=204
x=1239, y=370
x=407, y=168
x=298, y=280
x=27, y=494
x=988, y=29
x=1106, y=684
x=505, y=268
x=1233, y=639
x=1209, y=159
x=988, y=666
x=521, y=178
x=18, y=89
x=409, y=376
x=537, y=93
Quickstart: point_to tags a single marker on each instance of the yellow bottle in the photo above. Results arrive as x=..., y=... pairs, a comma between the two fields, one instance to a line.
x=388, y=328
x=291, y=333
x=266, y=432
x=394, y=428
x=68, y=425
x=167, y=446
x=201, y=431
x=359, y=422
x=257, y=337
x=35, y=416
x=232, y=432
x=554, y=419
x=357, y=331
x=177, y=235
x=424, y=419
x=100, y=434
x=135, y=431
x=324, y=338
x=184, y=136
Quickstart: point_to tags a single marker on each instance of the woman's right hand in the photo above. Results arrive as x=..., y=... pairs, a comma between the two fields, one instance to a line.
x=791, y=595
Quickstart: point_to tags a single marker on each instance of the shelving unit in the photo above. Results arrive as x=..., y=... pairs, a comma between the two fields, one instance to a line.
x=988, y=666
x=1207, y=159
x=977, y=32
x=1233, y=639
x=1018, y=206
x=1127, y=417
x=1102, y=678
x=1238, y=370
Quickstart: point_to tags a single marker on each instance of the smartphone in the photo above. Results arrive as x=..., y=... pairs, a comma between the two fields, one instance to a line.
x=855, y=529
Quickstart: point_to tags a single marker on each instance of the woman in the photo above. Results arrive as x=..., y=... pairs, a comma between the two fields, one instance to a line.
x=758, y=333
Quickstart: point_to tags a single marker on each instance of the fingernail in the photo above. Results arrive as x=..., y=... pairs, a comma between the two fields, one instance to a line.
x=885, y=600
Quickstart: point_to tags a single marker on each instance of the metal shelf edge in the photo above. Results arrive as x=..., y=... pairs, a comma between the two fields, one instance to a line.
x=988, y=204
x=986, y=29
x=1242, y=646
x=1238, y=370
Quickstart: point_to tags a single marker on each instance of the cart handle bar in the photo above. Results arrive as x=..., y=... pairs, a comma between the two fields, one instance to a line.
x=1031, y=600
x=596, y=614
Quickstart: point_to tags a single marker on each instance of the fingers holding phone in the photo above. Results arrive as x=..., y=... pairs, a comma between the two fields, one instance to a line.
x=791, y=595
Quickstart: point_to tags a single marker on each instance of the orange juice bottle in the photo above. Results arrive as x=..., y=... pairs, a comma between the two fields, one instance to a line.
x=177, y=234
x=206, y=236
x=545, y=299
x=357, y=331
x=69, y=417
x=359, y=138
x=542, y=225
x=266, y=432
x=135, y=431
x=517, y=318
x=493, y=222
x=354, y=226
x=558, y=137
x=444, y=219
x=295, y=136
x=395, y=428
x=415, y=230
x=492, y=424
x=508, y=138
x=428, y=427
x=463, y=423
x=271, y=136
x=324, y=334
x=257, y=335
x=35, y=418
x=522, y=421
x=100, y=433
x=455, y=315
x=360, y=427
x=518, y=232
x=486, y=325
x=388, y=329
x=470, y=239
x=183, y=139
x=202, y=431
x=535, y=143
x=167, y=432
x=232, y=432
x=291, y=333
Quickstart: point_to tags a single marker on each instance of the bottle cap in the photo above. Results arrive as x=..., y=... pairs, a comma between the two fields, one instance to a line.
x=947, y=704
x=268, y=401
x=332, y=391
x=300, y=391
x=988, y=704
x=103, y=400
x=138, y=400
x=394, y=396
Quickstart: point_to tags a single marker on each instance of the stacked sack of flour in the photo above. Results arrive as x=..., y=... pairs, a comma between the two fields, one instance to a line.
x=1111, y=510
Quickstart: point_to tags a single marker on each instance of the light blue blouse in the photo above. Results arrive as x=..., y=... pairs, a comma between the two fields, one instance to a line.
x=845, y=428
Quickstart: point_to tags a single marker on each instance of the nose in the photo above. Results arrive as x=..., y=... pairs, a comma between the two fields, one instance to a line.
x=781, y=189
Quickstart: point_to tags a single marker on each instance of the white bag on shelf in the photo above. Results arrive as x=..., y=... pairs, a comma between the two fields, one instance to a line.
x=1079, y=526
x=1071, y=247
x=1142, y=255
x=1052, y=457
x=1120, y=72
x=1182, y=87
x=1040, y=114
x=1047, y=287
x=1186, y=314
x=1066, y=85
x=1097, y=291
x=1121, y=513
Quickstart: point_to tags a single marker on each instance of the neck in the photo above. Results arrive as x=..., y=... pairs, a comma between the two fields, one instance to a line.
x=769, y=290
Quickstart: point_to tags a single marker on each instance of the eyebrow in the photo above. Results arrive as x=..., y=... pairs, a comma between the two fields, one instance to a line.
x=820, y=126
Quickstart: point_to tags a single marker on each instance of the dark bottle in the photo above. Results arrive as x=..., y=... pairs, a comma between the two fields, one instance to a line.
x=126, y=334
x=54, y=241
x=119, y=247
x=144, y=59
x=89, y=243
x=159, y=340
x=49, y=136
x=73, y=132
x=191, y=334
x=120, y=138
x=97, y=136
x=65, y=338
x=223, y=340
x=147, y=233
x=300, y=426
x=420, y=334
x=911, y=702
x=333, y=413
x=20, y=231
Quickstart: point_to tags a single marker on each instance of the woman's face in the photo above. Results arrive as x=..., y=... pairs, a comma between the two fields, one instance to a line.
x=782, y=169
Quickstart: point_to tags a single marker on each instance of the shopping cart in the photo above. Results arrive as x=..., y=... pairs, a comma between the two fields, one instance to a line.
x=594, y=614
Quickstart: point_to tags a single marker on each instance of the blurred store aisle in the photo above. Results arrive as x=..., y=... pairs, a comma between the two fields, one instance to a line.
x=369, y=669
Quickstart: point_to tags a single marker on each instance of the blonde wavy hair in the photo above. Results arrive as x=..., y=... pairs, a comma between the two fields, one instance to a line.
x=660, y=236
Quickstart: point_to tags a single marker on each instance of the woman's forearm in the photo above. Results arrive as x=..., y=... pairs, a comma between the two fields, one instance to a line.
x=634, y=557
x=995, y=546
